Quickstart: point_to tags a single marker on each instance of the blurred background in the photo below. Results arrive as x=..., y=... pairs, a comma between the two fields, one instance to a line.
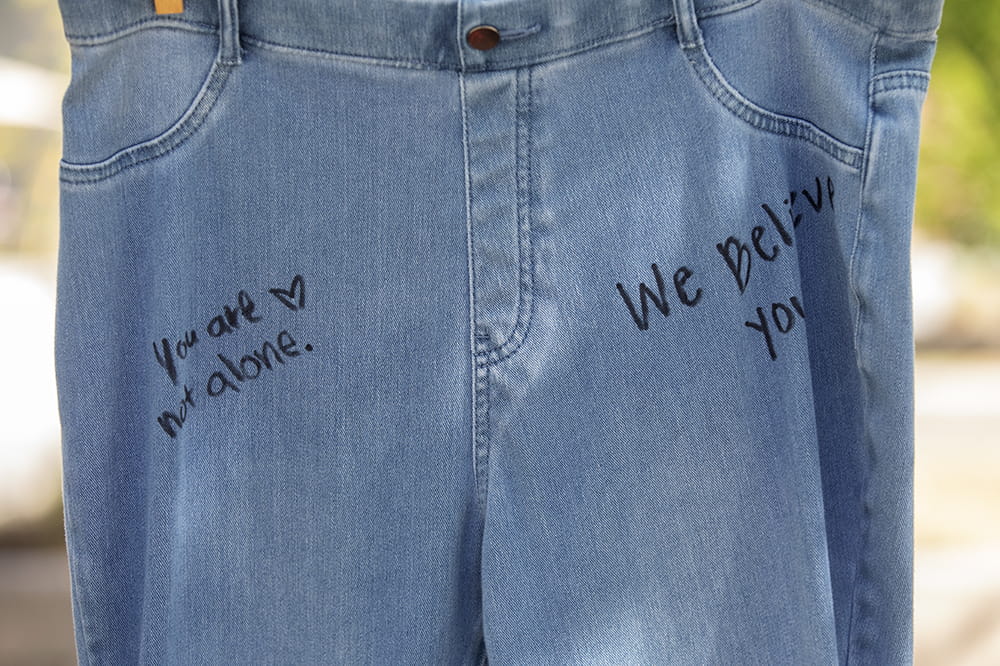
x=956, y=285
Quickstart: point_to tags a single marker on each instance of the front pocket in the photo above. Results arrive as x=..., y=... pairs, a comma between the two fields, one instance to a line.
x=135, y=96
x=767, y=87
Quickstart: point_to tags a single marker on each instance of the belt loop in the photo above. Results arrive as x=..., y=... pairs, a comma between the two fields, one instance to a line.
x=229, y=33
x=688, y=32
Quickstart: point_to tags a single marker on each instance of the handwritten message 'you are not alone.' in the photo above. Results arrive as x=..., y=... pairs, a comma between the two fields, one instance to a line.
x=231, y=372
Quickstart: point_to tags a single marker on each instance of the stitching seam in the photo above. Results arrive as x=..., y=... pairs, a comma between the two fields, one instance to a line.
x=197, y=26
x=474, y=336
x=519, y=213
x=160, y=145
x=916, y=35
x=393, y=61
x=526, y=257
x=762, y=118
x=493, y=65
x=859, y=574
x=901, y=80
x=482, y=438
x=149, y=23
x=84, y=39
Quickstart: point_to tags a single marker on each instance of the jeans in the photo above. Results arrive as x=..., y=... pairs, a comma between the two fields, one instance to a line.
x=528, y=331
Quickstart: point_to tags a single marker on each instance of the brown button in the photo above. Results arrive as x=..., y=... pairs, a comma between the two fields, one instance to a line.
x=483, y=37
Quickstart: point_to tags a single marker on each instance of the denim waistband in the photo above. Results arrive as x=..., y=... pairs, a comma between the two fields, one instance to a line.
x=431, y=33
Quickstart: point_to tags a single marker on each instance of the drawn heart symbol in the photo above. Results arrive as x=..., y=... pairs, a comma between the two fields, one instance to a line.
x=294, y=298
x=741, y=273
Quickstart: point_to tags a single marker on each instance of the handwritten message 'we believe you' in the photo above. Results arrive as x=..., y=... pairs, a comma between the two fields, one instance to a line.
x=737, y=255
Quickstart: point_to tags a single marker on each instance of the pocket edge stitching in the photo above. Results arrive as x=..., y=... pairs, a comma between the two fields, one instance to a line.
x=161, y=144
x=764, y=119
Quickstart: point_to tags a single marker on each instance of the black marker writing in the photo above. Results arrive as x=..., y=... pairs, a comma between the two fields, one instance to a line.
x=784, y=321
x=251, y=365
x=659, y=299
x=767, y=241
x=234, y=372
x=740, y=265
x=172, y=421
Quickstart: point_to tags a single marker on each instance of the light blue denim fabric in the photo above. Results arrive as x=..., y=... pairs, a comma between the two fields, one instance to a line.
x=590, y=348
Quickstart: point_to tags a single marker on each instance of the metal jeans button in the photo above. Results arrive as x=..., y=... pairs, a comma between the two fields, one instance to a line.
x=483, y=37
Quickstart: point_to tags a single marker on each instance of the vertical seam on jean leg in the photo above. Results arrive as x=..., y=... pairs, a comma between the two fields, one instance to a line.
x=482, y=440
x=473, y=344
x=527, y=283
x=867, y=444
x=519, y=108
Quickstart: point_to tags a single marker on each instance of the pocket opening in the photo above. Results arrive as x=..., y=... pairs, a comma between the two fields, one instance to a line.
x=692, y=43
x=85, y=108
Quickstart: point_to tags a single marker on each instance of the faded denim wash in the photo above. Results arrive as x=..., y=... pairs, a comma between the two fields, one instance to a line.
x=594, y=347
